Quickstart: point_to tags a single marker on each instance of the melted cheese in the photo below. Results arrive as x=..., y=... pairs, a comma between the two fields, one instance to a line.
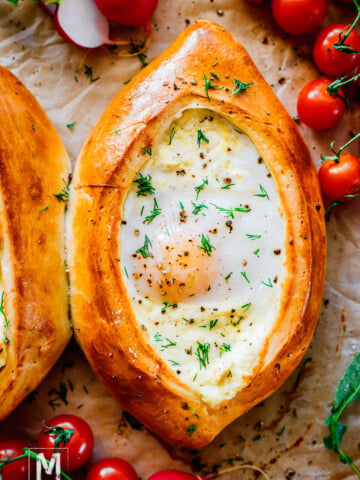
x=202, y=252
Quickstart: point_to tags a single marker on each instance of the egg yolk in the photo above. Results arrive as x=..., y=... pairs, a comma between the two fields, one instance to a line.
x=178, y=270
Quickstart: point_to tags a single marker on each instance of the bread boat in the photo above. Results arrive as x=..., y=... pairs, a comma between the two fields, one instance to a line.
x=196, y=240
x=34, y=171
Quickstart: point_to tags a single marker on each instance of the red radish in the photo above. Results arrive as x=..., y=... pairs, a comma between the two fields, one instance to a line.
x=48, y=7
x=133, y=13
x=81, y=23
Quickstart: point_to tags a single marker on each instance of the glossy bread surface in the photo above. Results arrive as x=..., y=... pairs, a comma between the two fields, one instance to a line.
x=34, y=324
x=105, y=321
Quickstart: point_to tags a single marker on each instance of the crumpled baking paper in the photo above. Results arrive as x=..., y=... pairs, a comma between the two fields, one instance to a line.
x=284, y=434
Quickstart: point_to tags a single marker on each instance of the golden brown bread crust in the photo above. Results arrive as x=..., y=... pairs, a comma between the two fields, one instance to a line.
x=33, y=167
x=128, y=366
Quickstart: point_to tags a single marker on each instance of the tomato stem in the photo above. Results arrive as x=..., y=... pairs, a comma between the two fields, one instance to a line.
x=333, y=88
x=340, y=44
x=336, y=156
x=62, y=436
x=35, y=456
x=341, y=200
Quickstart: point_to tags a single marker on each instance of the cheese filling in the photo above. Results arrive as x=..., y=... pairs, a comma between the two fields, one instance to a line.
x=202, y=252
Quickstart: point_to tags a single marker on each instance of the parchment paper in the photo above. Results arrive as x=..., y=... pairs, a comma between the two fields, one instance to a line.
x=284, y=435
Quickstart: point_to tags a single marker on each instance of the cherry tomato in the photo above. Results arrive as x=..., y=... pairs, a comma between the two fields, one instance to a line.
x=339, y=179
x=330, y=60
x=76, y=452
x=317, y=108
x=298, y=17
x=17, y=470
x=112, y=469
x=136, y=13
x=172, y=475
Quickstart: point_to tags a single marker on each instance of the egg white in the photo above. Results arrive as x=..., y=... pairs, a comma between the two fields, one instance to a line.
x=210, y=325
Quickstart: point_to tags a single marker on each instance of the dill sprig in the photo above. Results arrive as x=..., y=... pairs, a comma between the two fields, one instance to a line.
x=144, y=186
x=208, y=85
x=235, y=324
x=144, y=250
x=201, y=137
x=225, y=347
x=153, y=214
x=268, y=283
x=198, y=208
x=63, y=195
x=168, y=305
x=206, y=245
x=137, y=47
x=245, y=276
x=246, y=307
x=2, y=311
x=253, y=237
x=191, y=429
x=172, y=135
x=202, y=353
x=201, y=187
x=263, y=194
x=88, y=71
x=239, y=86
x=213, y=323
x=230, y=211
x=147, y=151
x=169, y=343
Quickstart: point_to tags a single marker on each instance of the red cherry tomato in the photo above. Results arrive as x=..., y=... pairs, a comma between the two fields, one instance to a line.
x=330, y=60
x=298, y=17
x=112, y=469
x=172, y=475
x=17, y=470
x=317, y=108
x=76, y=452
x=339, y=179
x=136, y=13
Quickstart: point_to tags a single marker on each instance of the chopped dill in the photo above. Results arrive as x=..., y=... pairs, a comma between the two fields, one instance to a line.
x=240, y=87
x=201, y=138
x=144, y=250
x=144, y=186
x=206, y=245
x=202, y=353
x=201, y=187
x=153, y=214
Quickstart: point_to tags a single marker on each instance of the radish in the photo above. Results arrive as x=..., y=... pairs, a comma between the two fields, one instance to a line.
x=81, y=23
x=133, y=13
x=48, y=7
